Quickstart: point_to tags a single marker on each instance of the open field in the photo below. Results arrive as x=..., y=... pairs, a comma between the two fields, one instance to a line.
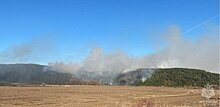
x=102, y=96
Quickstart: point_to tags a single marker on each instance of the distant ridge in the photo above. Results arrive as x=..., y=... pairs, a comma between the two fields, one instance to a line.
x=169, y=77
x=31, y=74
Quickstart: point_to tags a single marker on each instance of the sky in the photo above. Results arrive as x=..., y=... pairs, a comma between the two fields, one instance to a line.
x=67, y=30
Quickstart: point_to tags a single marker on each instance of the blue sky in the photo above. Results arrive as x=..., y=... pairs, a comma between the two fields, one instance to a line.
x=76, y=26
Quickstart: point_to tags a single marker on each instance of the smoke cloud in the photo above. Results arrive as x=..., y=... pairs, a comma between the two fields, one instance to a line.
x=179, y=52
x=27, y=52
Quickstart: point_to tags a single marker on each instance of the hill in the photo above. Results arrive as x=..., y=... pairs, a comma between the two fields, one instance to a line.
x=31, y=74
x=170, y=77
x=180, y=77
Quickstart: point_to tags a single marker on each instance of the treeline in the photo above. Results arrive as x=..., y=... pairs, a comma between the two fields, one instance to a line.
x=180, y=77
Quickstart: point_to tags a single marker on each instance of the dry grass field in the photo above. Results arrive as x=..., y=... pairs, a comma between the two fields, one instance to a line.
x=103, y=96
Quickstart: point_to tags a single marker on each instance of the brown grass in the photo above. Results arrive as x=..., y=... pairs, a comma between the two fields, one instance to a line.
x=102, y=96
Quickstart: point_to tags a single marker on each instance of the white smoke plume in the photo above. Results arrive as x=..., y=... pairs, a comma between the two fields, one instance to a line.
x=27, y=52
x=202, y=54
x=179, y=52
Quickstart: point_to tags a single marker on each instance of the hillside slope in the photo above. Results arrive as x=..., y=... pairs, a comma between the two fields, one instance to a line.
x=31, y=74
x=179, y=77
x=133, y=77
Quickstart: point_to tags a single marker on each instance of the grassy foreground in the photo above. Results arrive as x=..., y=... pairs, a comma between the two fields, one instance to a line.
x=102, y=96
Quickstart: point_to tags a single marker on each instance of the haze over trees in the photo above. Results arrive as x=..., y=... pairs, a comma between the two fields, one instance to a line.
x=170, y=77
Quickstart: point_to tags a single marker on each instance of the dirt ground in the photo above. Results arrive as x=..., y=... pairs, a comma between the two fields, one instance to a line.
x=103, y=96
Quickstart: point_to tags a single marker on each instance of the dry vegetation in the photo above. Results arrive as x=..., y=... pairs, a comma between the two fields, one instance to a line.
x=102, y=96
